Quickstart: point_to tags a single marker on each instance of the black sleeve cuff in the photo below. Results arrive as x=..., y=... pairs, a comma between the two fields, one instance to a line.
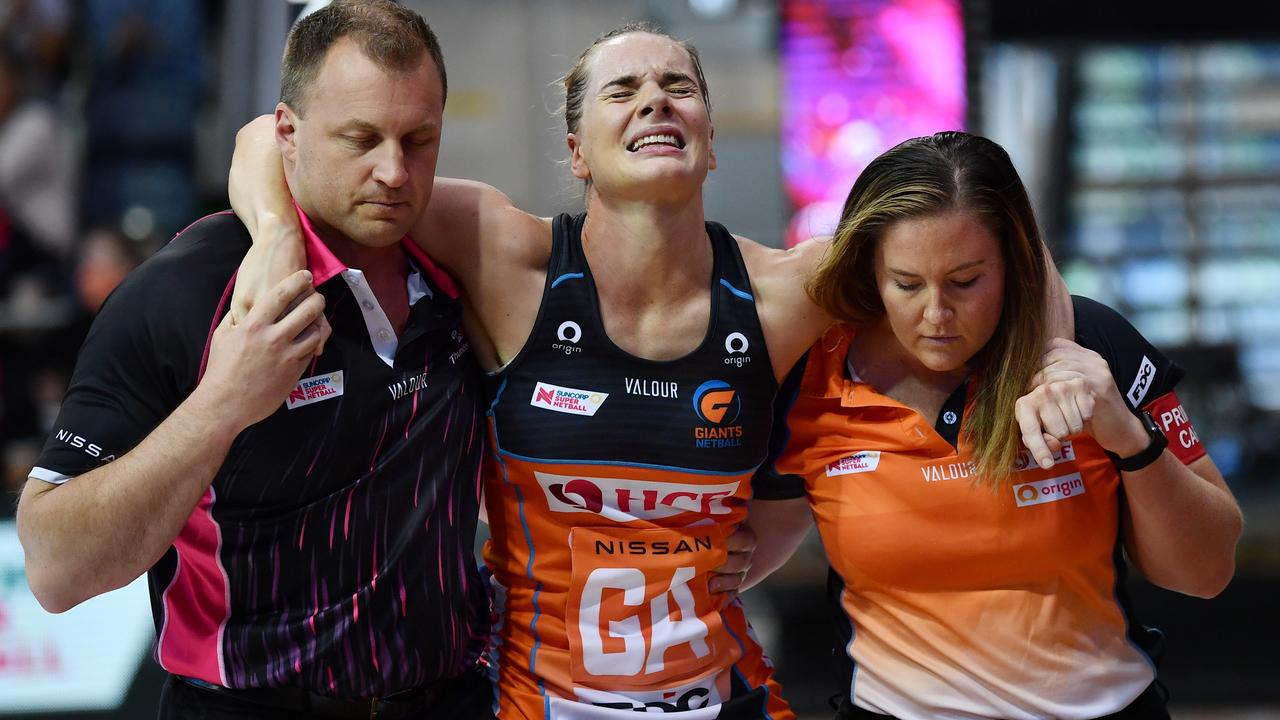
x=769, y=484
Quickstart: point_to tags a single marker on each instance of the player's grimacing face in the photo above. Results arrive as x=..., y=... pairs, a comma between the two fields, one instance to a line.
x=366, y=145
x=644, y=125
x=941, y=279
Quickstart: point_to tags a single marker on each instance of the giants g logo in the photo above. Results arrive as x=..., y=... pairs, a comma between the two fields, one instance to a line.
x=715, y=402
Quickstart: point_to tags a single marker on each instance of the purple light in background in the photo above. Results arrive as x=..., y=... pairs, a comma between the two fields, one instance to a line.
x=860, y=76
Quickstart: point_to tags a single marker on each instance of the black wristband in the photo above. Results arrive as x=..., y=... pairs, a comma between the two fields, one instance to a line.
x=1147, y=455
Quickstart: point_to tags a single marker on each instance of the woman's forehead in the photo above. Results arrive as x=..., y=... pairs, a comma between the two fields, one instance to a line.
x=937, y=238
x=637, y=54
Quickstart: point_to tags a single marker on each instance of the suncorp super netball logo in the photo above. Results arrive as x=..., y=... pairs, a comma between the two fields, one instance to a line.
x=567, y=400
x=314, y=389
x=717, y=405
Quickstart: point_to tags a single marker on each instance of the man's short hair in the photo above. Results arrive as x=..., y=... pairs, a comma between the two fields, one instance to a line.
x=393, y=37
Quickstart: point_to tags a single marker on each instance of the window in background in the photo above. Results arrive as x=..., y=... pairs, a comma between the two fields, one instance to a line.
x=860, y=76
x=1163, y=162
x=1177, y=162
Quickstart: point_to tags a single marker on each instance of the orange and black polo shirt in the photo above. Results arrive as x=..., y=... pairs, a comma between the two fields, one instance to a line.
x=957, y=601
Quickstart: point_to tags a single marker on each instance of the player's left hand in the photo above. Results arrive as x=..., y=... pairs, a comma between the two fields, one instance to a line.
x=1075, y=392
x=727, y=578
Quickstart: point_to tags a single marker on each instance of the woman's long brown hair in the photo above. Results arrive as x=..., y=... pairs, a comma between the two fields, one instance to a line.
x=951, y=172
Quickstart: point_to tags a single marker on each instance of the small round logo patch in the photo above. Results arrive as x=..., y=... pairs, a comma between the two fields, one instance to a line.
x=736, y=343
x=569, y=331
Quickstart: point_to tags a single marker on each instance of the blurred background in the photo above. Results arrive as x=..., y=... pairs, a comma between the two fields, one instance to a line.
x=1148, y=134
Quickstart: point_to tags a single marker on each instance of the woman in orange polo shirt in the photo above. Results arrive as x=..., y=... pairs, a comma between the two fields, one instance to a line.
x=976, y=532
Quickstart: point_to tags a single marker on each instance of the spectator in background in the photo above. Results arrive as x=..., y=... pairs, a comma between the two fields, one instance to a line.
x=38, y=34
x=35, y=364
x=39, y=169
x=146, y=58
x=38, y=174
x=106, y=257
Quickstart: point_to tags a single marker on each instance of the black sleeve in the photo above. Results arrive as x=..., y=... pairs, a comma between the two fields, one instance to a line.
x=1142, y=373
x=142, y=355
x=768, y=483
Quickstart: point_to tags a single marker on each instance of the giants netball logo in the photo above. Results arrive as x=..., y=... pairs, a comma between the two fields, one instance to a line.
x=716, y=402
x=717, y=405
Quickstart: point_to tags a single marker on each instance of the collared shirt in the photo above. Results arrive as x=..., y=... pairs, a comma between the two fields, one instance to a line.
x=333, y=549
x=960, y=600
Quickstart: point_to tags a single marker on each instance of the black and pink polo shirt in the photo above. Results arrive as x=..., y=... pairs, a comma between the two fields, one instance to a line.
x=333, y=550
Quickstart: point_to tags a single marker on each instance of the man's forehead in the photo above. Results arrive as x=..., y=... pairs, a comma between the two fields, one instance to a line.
x=352, y=89
x=347, y=66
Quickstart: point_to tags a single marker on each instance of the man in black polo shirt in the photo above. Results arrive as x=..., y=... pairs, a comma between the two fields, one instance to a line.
x=308, y=541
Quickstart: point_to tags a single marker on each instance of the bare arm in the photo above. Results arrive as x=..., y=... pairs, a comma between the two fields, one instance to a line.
x=260, y=197
x=1181, y=523
x=499, y=254
x=779, y=527
x=792, y=322
x=257, y=188
x=100, y=530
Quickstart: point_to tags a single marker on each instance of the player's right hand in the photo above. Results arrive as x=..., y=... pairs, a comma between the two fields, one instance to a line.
x=728, y=578
x=1074, y=392
x=255, y=362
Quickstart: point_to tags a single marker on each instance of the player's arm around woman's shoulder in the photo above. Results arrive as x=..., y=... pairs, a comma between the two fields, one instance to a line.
x=789, y=317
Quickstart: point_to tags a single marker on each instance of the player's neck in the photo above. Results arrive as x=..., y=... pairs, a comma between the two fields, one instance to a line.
x=643, y=249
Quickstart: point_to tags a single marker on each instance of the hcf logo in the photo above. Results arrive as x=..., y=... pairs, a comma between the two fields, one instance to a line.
x=624, y=500
x=716, y=402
